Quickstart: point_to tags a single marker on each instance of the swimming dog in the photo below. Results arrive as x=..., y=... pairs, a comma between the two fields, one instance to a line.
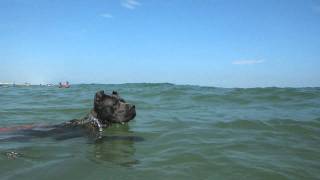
x=107, y=109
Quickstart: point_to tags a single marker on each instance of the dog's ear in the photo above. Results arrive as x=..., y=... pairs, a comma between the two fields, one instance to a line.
x=115, y=93
x=99, y=96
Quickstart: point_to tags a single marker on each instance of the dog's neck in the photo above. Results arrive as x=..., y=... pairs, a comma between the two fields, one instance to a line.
x=96, y=121
x=103, y=122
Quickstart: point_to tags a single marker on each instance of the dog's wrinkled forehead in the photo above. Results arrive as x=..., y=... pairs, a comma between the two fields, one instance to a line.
x=105, y=99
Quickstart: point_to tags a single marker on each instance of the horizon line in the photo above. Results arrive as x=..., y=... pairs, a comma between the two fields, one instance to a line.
x=175, y=84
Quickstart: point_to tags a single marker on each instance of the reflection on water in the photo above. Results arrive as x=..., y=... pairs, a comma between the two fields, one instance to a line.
x=116, y=147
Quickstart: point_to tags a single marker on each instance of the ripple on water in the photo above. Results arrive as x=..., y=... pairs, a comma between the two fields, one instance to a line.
x=183, y=132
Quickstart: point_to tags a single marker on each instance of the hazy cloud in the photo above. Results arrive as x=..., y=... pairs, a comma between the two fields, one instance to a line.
x=245, y=62
x=130, y=4
x=106, y=15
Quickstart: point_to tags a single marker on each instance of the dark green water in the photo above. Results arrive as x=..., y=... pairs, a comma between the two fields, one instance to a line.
x=189, y=132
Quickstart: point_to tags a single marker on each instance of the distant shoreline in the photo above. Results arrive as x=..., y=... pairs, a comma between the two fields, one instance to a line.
x=145, y=83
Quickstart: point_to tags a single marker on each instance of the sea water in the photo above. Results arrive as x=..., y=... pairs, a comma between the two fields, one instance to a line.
x=184, y=132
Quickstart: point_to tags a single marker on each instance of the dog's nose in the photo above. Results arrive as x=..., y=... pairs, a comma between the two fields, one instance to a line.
x=133, y=106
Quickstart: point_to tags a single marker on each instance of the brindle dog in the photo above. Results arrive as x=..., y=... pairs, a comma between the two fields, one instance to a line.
x=107, y=109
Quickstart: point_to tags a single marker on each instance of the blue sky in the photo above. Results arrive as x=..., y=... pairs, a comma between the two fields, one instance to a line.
x=225, y=43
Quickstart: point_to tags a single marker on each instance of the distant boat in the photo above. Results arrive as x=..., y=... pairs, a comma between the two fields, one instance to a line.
x=4, y=84
x=21, y=84
x=15, y=84
x=64, y=85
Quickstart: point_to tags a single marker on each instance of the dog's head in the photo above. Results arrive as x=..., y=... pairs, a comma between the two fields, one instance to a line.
x=112, y=108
